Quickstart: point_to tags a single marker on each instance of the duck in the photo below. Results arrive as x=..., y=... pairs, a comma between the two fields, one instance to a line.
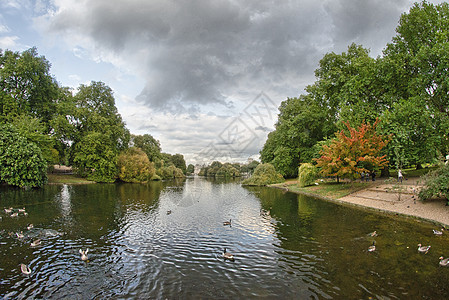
x=22, y=210
x=13, y=215
x=84, y=254
x=30, y=226
x=20, y=235
x=374, y=233
x=25, y=269
x=438, y=232
x=8, y=210
x=225, y=223
x=168, y=212
x=372, y=247
x=423, y=249
x=35, y=243
x=444, y=262
x=227, y=255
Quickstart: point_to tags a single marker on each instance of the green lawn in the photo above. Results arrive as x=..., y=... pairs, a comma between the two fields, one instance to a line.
x=67, y=179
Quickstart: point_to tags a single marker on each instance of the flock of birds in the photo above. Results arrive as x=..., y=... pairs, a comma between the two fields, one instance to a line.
x=444, y=262
x=15, y=213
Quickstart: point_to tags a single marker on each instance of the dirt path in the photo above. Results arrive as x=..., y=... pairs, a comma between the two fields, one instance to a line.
x=380, y=197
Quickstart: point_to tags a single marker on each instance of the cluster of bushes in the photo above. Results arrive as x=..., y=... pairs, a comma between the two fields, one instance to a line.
x=217, y=169
x=264, y=174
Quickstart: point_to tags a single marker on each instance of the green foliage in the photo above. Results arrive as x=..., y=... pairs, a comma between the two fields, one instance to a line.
x=95, y=158
x=436, y=184
x=21, y=161
x=211, y=171
x=263, y=175
x=134, y=166
x=190, y=169
x=227, y=170
x=307, y=174
x=169, y=172
x=149, y=145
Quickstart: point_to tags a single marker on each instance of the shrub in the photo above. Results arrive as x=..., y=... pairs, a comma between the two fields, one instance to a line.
x=436, y=184
x=264, y=174
x=134, y=166
x=21, y=161
x=169, y=172
x=307, y=174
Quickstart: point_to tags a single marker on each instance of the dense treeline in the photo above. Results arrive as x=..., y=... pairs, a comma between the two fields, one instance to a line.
x=407, y=88
x=42, y=124
x=227, y=170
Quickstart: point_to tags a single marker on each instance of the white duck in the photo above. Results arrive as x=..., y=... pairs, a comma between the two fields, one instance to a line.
x=444, y=262
x=35, y=243
x=423, y=249
x=25, y=269
x=84, y=254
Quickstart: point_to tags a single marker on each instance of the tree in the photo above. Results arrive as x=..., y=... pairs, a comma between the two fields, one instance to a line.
x=21, y=161
x=149, y=145
x=436, y=184
x=26, y=86
x=263, y=175
x=134, y=166
x=179, y=162
x=190, y=169
x=350, y=155
x=307, y=174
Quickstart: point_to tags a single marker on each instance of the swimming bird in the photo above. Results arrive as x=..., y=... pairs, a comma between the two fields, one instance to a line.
x=444, y=262
x=372, y=247
x=8, y=210
x=13, y=215
x=20, y=235
x=438, y=232
x=374, y=233
x=227, y=255
x=423, y=249
x=225, y=223
x=35, y=243
x=168, y=212
x=25, y=269
x=30, y=226
x=84, y=254
x=21, y=210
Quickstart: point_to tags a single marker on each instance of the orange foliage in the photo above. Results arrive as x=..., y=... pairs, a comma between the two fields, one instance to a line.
x=348, y=156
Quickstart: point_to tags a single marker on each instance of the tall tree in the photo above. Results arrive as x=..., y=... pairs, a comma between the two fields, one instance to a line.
x=149, y=145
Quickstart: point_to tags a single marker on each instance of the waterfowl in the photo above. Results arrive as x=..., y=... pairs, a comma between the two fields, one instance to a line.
x=22, y=210
x=438, y=232
x=372, y=247
x=444, y=262
x=35, y=243
x=30, y=226
x=168, y=212
x=227, y=255
x=20, y=235
x=423, y=249
x=8, y=210
x=25, y=269
x=225, y=223
x=374, y=233
x=84, y=254
x=13, y=215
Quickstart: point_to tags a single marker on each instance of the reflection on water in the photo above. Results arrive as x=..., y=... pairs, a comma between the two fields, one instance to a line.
x=285, y=245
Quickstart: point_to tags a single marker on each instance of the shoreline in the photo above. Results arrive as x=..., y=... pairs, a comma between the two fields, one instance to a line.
x=379, y=197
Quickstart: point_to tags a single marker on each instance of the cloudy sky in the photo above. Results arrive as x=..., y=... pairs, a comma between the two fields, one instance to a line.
x=203, y=77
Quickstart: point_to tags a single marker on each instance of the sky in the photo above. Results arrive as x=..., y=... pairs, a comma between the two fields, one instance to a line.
x=203, y=77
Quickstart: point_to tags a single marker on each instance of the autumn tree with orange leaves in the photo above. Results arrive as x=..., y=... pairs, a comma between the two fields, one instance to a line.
x=348, y=156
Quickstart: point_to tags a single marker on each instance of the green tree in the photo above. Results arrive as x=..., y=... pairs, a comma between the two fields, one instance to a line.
x=264, y=174
x=307, y=174
x=190, y=169
x=149, y=145
x=21, y=161
x=26, y=86
x=134, y=166
x=179, y=162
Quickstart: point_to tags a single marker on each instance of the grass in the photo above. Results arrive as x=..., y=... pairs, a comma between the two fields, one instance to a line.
x=67, y=179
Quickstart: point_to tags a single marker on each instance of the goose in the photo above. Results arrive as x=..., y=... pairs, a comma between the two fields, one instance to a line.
x=227, y=255
x=438, y=232
x=30, y=226
x=35, y=243
x=444, y=262
x=225, y=223
x=423, y=249
x=25, y=269
x=84, y=254
x=372, y=247
x=374, y=233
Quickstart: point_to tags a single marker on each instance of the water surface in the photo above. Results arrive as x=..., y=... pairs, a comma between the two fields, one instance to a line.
x=285, y=245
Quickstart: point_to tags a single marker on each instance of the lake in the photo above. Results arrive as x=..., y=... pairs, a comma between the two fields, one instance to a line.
x=165, y=240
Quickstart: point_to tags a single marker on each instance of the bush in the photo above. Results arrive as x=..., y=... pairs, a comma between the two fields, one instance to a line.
x=436, y=184
x=307, y=174
x=264, y=174
x=134, y=166
x=21, y=161
x=170, y=172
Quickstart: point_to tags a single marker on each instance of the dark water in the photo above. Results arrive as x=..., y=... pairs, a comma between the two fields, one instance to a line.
x=286, y=246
